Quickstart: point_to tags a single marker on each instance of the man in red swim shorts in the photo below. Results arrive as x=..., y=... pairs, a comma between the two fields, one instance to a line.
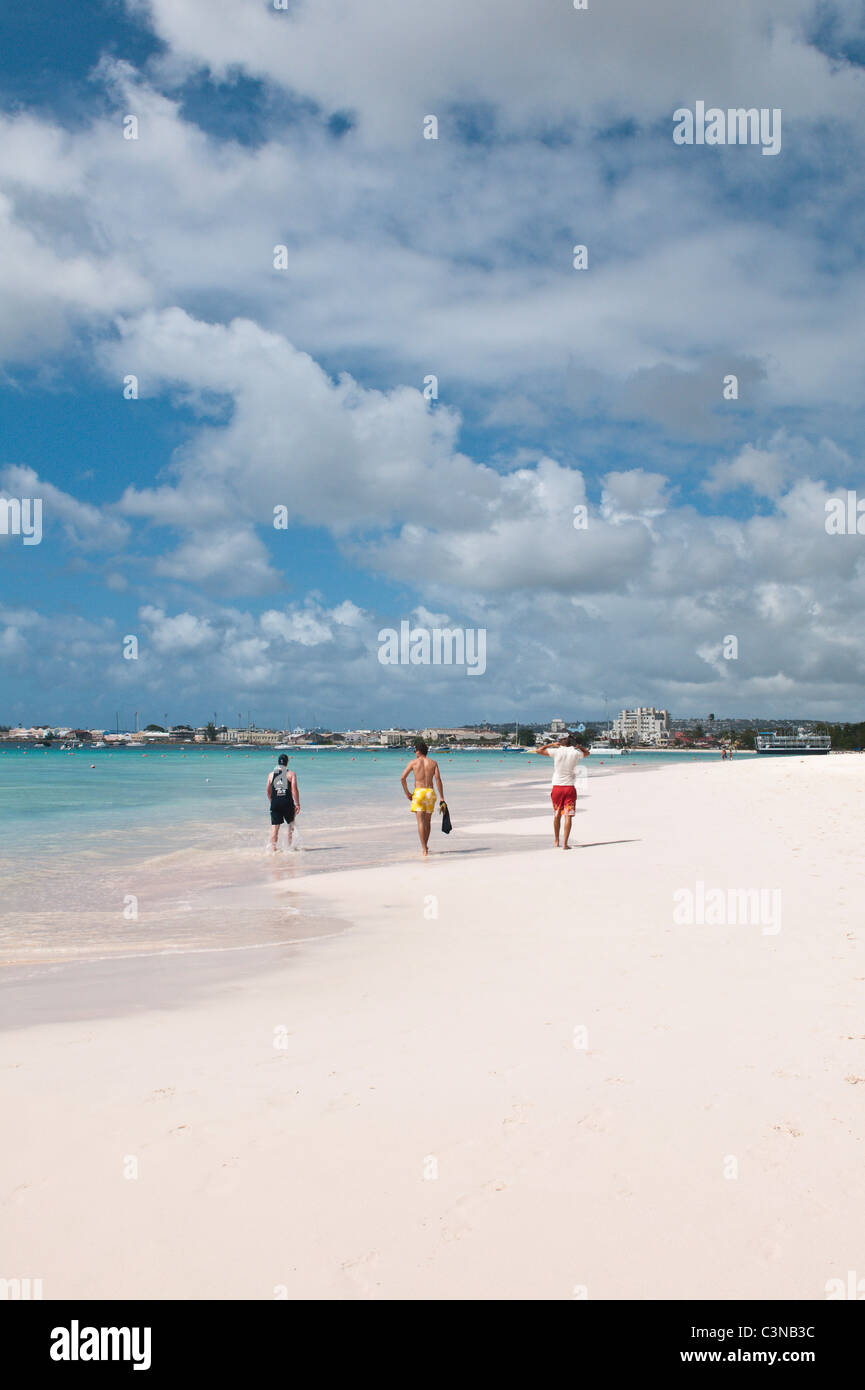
x=567, y=755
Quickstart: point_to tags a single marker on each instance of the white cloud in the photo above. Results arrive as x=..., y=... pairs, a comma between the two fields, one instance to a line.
x=306, y=628
x=534, y=62
x=82, y=523
x=634, y=496
x=409, y=257
x=183, y=633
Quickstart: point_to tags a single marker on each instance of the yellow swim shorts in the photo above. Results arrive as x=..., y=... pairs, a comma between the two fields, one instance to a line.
x=424, y=799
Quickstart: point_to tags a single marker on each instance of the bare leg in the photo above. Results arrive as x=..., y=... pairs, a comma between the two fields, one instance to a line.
x=289, y=834
x=557, y=820
x=424, y=821
x=274, y=835
x=567, y=829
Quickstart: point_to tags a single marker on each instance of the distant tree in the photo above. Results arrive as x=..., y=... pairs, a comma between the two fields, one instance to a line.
x=846, y=736
x=699, y=731
x=746, y=738
x=210, y=732
x=47, y=741
x=527, y=738
x=154, y=729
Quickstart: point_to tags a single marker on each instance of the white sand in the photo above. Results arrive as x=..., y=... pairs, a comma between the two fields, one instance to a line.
x=430, y=1129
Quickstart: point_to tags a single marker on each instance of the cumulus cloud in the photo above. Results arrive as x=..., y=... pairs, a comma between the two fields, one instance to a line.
x=82, y=524
x=547, y=58
x=301, y=391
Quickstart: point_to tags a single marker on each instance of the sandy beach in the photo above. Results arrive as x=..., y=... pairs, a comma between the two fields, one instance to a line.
x=500, y=1075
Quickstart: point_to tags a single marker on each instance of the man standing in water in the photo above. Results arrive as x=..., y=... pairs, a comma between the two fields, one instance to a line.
x=284, y=801
x=423, y=799
x=567, y=755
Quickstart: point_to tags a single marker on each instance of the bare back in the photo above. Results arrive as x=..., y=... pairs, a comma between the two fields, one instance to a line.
x=424, y=770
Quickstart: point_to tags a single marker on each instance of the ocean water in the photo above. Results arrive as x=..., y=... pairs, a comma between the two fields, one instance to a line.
x=118, y=852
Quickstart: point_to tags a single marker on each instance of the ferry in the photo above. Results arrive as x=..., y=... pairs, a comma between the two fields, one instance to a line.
x=801, y=742
x=604, y=751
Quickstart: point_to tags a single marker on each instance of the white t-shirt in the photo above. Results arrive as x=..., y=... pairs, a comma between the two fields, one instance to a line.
x=565, y=763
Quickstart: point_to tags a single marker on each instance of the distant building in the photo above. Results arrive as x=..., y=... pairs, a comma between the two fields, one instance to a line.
x=257, y=736
x=557, y=726
x=473, y=736
x=642, y=725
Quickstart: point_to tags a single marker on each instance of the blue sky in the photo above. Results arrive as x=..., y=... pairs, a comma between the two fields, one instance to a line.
x=407, y=257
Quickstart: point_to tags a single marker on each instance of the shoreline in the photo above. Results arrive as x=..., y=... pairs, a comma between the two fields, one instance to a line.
x=511, y=1069
x=215, y=887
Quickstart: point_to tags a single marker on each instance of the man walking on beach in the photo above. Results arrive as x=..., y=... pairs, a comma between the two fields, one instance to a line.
x=423, y=799
x=567, y=755
x=284, y=801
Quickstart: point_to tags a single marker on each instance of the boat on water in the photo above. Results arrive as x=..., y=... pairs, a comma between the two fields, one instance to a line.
x=801, y=742
x=135, y=743
x=605, y=752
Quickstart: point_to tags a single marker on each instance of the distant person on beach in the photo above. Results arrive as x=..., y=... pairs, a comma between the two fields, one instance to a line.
x=567, y=755
x=284, y=801
x=423, y=799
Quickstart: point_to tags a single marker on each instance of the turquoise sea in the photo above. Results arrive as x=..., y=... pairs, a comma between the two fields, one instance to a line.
x=123, y=851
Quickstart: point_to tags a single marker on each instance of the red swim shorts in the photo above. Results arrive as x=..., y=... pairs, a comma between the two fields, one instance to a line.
x=564, y=798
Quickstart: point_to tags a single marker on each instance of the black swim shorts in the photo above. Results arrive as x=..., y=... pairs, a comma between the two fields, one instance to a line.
x=281, y=810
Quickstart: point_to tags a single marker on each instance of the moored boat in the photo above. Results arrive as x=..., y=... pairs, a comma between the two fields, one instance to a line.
x=802, y=742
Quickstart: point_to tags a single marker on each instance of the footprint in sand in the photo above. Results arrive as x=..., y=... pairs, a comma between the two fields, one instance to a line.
x=456, y=1222
x=519, y=1115
x=343, y=1102
x=360, y=1271
x=854, y=1080
x=596, y=1121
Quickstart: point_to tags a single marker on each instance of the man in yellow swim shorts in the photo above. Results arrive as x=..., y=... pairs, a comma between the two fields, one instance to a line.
x=423, y=798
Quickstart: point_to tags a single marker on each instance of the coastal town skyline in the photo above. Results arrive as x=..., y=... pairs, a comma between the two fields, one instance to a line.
x=636, y=727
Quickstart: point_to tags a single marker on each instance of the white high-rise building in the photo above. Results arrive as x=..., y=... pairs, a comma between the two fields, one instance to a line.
x=643, y=725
